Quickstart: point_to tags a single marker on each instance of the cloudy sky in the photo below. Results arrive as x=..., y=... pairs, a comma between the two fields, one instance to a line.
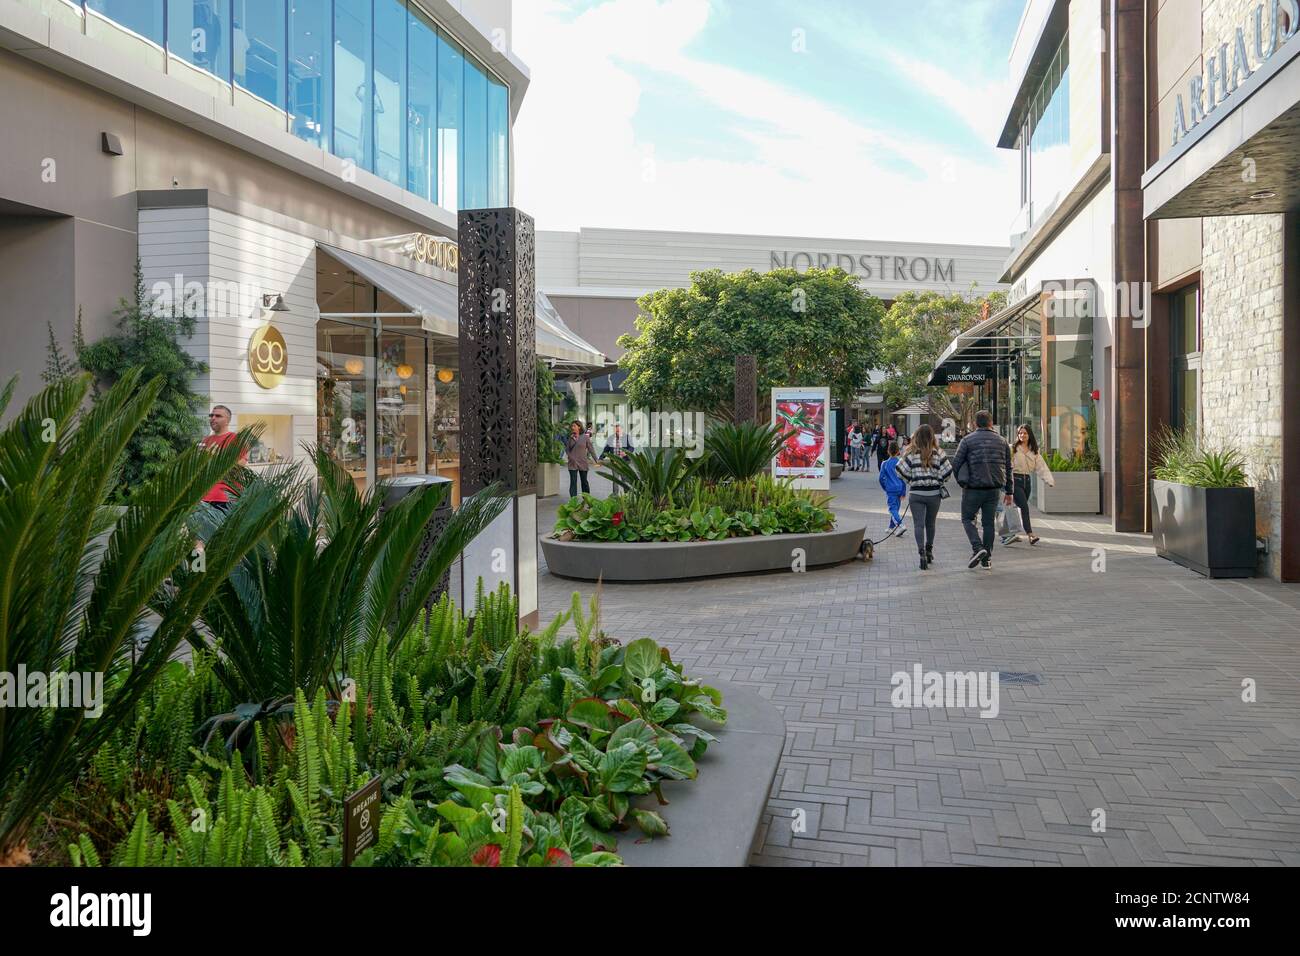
x=872, y=119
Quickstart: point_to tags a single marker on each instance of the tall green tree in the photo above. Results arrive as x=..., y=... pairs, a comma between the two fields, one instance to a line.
x=916, y=330
x=150, y=342
x=817, y=328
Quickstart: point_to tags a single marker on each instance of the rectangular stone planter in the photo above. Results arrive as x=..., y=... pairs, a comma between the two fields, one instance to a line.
x=1076, y=493
x=1209, y=530
x=549, y=483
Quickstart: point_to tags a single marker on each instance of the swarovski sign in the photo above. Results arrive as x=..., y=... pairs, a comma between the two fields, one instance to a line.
x=882, y=268
x=1225, y=71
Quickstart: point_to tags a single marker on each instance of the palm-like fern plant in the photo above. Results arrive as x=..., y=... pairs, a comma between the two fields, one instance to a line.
x=656, y=473
x=740, y=452
x=335, y=574
x=84, y=587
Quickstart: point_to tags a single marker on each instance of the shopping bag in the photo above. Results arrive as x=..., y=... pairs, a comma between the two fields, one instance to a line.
x=1009, y=523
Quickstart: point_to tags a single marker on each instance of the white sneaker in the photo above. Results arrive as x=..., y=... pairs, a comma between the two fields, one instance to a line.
x=900, y=531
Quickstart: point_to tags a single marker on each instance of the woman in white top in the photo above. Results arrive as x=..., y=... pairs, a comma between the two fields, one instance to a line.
x=1026, y=463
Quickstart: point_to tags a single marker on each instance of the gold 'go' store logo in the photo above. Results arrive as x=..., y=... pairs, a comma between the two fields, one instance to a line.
x=268, y=357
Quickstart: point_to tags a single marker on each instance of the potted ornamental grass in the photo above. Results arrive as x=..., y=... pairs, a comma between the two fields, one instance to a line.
x=1202, y=507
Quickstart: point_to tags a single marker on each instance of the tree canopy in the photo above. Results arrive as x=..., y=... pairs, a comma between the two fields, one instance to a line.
x=916, y=330
x=811, y=329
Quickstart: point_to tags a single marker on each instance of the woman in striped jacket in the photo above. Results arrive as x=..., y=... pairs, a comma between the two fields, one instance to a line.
x=925, y=468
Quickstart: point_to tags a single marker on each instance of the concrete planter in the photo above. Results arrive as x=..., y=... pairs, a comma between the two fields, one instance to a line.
x=1076, y=493
x=713, y=820
x=837, y=470
x=674, y=560
x=550, y=480
x=1209, y=530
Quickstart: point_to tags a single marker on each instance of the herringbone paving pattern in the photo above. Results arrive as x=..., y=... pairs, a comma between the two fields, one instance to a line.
x=1138, y=713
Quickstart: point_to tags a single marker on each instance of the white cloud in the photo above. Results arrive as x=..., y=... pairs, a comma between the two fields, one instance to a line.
x=814, y=171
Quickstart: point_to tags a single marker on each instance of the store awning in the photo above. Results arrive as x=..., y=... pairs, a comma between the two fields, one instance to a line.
x=973, y=356
x=435, y=302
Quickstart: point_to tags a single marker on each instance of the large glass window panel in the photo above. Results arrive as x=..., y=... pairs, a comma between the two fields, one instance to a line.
x=310, y=86
x=1050, y=136
x=451, y=120
x=353, y=92
x=258, y=41
x=422, y=108
x=399, y=404
x=198, y=31
x=443, y=405
x=390, y=90
x=498, y=144
x=144, y=17
x=474, y=157
x=345, y=380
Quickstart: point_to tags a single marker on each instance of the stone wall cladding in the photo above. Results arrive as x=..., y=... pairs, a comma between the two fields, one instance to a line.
x=1242, y=307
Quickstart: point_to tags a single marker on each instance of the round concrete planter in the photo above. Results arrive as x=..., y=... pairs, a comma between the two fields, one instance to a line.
x=674, y=560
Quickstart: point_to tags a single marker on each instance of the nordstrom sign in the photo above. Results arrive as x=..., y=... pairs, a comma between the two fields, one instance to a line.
x=1230, y=65
x=883, y=268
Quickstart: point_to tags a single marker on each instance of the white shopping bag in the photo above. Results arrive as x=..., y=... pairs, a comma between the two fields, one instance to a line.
x=1009, y=523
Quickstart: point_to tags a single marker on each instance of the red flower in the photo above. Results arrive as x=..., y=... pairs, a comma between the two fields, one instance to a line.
x=617, y=519
x=489, y=854
x=557, y=857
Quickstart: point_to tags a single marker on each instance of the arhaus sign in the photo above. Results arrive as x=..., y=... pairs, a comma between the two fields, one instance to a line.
x=1230, y=66
x=891, y=268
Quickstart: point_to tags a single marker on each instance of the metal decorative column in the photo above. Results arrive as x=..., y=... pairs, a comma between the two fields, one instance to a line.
x=746, y=389
x=498, y=396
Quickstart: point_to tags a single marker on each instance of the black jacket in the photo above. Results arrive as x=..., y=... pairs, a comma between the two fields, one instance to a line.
x=983, y=461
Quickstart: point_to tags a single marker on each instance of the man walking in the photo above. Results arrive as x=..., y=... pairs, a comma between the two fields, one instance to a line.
x=617, y=445
x=983, y=469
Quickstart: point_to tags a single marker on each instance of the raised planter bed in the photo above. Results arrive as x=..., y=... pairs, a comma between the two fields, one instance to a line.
x=1209, y=530
x=550, y=480
x=1076, y=493
x=673, y=560
x=713, y=819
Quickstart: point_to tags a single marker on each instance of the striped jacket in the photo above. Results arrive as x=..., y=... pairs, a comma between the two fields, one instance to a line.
x=921, y=478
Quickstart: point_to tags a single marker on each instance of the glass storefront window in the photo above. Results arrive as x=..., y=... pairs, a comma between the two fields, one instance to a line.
x=474, y=158
x=259, y=48
x=143, y=17
x=422, y=111
x=310, y=90
x=353, y=93
x=444, y=414
x=345, y=380
x=197, y=32
x=390, y=90
x=399, y=404
x=451, y=120
x=498, y=144
x=1185, y=341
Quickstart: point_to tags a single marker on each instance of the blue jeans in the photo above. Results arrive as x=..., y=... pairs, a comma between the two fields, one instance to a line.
x=858, y=457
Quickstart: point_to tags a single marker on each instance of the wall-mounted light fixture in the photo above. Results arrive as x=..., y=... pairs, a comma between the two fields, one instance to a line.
x=111, y=144
x=274, y=302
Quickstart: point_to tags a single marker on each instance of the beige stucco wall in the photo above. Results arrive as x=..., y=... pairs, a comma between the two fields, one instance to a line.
x=1242, y=288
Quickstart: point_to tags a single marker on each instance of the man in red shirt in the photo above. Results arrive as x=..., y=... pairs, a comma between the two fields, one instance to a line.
x=219, y=418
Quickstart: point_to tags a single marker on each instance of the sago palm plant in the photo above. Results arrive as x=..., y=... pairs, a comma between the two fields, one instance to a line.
x=335, y=574
x=740, y=452
x=82, y=584
x=656, y=473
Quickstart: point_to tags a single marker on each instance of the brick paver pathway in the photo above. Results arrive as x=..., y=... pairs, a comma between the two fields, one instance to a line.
x=1138, y=711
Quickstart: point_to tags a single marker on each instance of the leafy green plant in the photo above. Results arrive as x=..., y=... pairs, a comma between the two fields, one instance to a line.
x=1074, y=463
x=337, y=572
x=148, y=340
x=1182, y=458
x=740, y=452
x=656, y=473
x=549, y=449
x=79, y=578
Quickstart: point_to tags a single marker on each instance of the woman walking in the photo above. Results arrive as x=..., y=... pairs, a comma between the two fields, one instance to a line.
x=1026, y=463
x=580, y=453
x=857, y=448
x=925, y=468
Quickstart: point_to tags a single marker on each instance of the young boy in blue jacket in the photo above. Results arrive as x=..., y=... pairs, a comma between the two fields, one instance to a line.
x=895, y=489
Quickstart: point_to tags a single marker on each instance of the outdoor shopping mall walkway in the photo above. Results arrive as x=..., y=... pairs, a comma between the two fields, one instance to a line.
x=1137, y=709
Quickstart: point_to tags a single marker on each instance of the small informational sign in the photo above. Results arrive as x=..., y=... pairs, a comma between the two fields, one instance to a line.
x=803, y=414
x=268, y=356
x=360, y=821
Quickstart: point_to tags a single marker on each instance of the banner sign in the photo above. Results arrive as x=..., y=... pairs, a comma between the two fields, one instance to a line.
x=803, y=414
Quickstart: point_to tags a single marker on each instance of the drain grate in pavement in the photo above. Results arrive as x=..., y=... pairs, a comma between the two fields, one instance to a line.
x=1017, y=677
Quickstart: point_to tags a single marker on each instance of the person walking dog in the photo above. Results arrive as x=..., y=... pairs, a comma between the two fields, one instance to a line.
x=1026, y=464
x=895, y=490
x=580, y=453
x=983, y=469
x=925, y=468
